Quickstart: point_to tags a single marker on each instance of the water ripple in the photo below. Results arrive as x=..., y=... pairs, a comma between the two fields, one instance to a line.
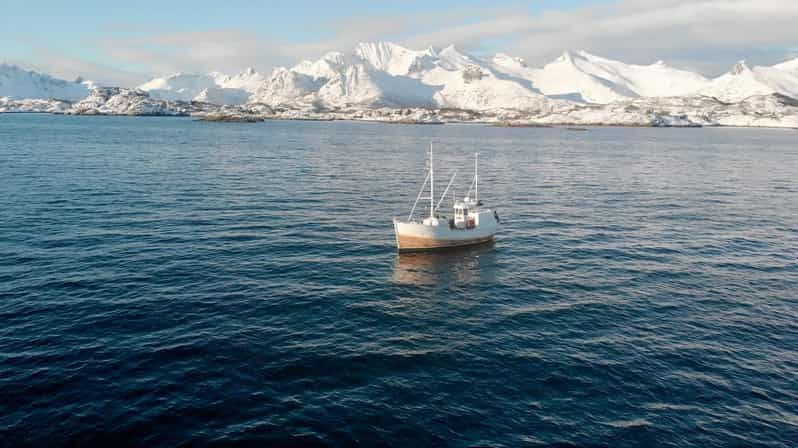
x=165, y=282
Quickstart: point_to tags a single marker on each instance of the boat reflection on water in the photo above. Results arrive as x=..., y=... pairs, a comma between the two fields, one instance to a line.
x=453, y=266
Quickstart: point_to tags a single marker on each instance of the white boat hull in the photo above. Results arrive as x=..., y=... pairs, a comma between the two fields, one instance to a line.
x=415, y=236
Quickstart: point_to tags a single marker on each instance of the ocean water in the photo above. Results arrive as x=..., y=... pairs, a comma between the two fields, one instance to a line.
x=167, y=282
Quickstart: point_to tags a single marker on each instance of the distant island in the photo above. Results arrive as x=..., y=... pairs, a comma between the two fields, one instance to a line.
x=389, y=83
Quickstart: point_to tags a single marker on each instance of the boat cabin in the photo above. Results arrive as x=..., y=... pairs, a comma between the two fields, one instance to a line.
x=464, y=217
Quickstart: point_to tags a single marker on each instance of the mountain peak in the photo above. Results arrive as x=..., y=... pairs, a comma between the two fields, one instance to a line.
x=380, y=45
x=566, y=56
x=389, y=57
x=452, y=49
x=739, y=68
x=432, y=50
x=248, y=73
x=334, y=57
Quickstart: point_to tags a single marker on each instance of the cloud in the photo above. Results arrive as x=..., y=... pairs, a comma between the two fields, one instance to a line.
x=196, y=51
x=68, y=67
x=144, y=49
x=708, y=34
x=705, y=35
x=233, y=51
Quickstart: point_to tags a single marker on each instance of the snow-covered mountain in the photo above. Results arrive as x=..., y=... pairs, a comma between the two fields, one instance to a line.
x=391, y=58
x=385, y=74
x=16, y=83
x=215, y=87
x=386, y=81
x=588, y=78
x=467, y=82
x=249, y=80
x=742, y=82
x=178, y=86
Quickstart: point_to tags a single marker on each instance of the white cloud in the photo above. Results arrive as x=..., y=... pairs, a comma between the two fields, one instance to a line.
x=68, y=67
x=198, y=51
x=706, y=35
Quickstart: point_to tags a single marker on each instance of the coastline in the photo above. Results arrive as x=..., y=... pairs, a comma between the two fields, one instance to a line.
x=569, y=125
x=759, y=111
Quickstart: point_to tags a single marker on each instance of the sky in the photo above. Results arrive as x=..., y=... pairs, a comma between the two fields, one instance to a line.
x=127, y=43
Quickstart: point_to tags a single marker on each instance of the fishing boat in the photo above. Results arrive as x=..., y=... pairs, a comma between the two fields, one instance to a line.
x=470, y=223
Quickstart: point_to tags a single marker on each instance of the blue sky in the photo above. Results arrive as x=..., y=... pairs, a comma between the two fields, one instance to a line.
x=127, y=42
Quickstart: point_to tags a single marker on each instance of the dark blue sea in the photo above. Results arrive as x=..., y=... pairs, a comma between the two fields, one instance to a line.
x=168, y=282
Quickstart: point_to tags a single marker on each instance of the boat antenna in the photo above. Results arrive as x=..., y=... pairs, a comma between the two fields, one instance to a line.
x=431, y=183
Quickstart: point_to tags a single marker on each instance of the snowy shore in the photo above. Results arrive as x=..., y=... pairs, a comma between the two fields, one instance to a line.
x=758, y=111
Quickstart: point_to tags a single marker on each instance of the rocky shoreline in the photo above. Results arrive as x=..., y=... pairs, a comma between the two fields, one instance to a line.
x=772, y=110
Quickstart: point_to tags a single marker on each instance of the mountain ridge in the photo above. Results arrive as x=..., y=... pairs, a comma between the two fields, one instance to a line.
x=433, y=77
x=376, y=77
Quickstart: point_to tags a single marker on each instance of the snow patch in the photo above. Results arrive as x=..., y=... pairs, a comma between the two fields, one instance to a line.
x=16, y=83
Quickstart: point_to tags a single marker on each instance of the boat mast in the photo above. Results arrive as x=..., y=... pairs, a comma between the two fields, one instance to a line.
x=476, y=178
x=423, y=186
x=443, y=196
x=431, y=184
